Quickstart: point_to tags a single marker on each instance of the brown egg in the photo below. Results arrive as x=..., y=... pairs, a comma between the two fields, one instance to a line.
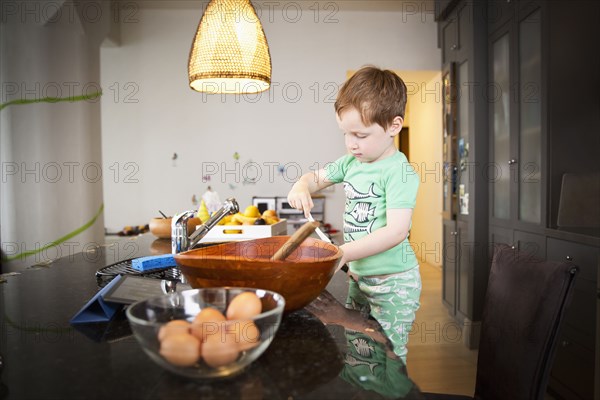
x=175, y=326
x=206, y=323
x=246, y=334
x=181, y=349
x=219, y=350
x=244, y=306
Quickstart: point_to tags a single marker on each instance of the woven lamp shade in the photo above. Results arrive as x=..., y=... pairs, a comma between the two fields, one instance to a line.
x=230, y=52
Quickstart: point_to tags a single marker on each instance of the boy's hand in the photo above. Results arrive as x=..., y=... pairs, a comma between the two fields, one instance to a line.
x=299, y=198
x=343, y=260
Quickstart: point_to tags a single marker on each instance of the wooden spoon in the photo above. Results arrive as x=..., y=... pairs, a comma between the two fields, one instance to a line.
x=295, y=240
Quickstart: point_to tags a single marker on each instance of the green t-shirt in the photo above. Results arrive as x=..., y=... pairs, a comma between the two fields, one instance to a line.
x=371, y=189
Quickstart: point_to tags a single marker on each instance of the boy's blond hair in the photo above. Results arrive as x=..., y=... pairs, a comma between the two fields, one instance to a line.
x=378, y=95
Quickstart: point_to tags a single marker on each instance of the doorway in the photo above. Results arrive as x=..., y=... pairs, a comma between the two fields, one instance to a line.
x=402, y=141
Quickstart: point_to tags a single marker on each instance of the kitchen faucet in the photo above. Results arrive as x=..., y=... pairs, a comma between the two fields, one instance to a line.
x=181, y=241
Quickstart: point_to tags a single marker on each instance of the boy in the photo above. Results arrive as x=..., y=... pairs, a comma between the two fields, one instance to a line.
x=381, y=189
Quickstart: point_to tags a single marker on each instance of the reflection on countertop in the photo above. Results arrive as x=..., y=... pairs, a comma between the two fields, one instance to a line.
x=321, y=351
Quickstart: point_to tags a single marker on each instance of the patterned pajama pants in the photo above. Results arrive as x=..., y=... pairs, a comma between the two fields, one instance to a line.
x=392, y=301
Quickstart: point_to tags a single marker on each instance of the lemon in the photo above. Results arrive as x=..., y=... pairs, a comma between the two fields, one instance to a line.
x=252, y=212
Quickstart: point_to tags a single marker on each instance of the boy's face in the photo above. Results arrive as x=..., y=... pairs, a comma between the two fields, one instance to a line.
x=368, y=143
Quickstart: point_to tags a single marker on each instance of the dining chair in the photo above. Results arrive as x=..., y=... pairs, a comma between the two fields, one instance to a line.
x=523, y=311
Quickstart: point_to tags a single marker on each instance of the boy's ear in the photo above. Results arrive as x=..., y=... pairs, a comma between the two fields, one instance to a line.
x=396, y=126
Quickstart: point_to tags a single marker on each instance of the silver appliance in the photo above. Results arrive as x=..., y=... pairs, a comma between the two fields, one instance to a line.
x=296, y=218
x=265, y=203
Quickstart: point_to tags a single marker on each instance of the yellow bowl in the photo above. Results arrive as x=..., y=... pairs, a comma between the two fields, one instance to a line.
x=300, y=278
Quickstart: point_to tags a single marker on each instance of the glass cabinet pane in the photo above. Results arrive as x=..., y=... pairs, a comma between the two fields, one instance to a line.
x=500, y=97
x=462, y=125
x=530, y=127
x=449, y=143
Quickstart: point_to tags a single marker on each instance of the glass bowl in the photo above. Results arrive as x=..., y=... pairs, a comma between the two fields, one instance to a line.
x=147, y=317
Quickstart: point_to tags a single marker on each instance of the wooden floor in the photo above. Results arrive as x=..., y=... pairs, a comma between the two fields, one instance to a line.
x=437, y=359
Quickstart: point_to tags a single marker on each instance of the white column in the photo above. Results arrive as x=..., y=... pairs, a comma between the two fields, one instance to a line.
x=51, y=182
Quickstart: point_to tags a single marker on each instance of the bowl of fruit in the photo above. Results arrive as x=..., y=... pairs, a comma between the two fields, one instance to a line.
x=207, y=333
x=247, y=224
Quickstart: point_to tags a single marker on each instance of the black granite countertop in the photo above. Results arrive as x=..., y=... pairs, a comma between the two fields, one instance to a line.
x=320, y=352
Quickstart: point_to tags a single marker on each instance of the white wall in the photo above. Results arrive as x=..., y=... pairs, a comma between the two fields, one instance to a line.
x=282, y=126
x=50, y=150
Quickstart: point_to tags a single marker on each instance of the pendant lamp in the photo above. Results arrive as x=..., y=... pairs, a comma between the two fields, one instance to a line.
x=230, y=52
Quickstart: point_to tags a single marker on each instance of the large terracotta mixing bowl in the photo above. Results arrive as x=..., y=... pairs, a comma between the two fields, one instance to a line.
x=300, y=278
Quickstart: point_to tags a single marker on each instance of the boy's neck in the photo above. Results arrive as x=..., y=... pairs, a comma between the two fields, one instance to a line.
x=387, y=154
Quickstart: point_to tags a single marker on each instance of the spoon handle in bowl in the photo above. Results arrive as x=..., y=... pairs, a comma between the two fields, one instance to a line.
x=294, y=241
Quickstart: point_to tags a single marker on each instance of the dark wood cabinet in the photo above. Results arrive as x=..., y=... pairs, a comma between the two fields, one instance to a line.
x=500, y=235
x=517, y=132
x=465, y=266
x=499, y=13
x=582, y=255
x=572, y=36
x=597, y=374
x=450, y=42
x=463, y=271
x=574, y=367
x=536, y=122
x=530, y=243
x=450, y=254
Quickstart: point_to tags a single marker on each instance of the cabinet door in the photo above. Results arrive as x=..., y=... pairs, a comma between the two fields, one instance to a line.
x=441, y=8
x=465, y=24
x=581, y=314
x=463, y=133
x=449, y=142
x=500, y=128
x=530, y=119
x=464, y=261
x=573, y=371
x=449, y=253
x=597, y=375
x=572, y=375
x=531, y=244
x=499, y=13
x=500, y=235
x=516, y=102
x=583, y=256
x=450, y=39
